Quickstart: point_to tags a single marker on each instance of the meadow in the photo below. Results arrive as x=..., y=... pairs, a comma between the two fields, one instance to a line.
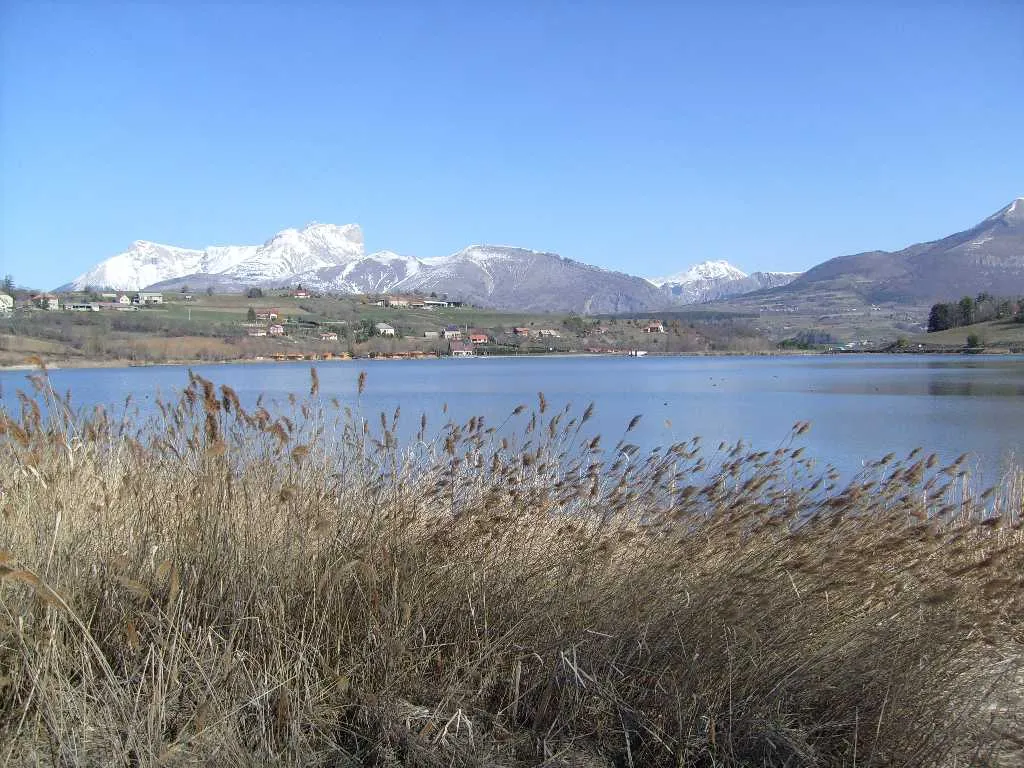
x=291, y=584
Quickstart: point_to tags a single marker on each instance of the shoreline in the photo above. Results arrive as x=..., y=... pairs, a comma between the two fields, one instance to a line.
x=124, y=364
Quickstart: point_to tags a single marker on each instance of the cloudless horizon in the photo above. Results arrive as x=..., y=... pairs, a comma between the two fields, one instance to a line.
x=644, y=137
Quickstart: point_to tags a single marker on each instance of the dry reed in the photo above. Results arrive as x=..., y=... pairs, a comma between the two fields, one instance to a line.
x=295, y=586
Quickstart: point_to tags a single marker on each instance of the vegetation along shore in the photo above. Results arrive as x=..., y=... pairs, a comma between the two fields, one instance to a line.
x=87, y=329
x=246, y=586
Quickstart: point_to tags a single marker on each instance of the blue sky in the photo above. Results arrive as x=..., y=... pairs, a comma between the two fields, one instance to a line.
x=644, y=136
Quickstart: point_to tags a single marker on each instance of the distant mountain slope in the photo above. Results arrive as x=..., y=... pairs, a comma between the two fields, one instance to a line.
x=505, y=277
x=713, y=280
x=987, y=257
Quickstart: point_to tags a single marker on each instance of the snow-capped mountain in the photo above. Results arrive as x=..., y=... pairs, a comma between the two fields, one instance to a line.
x=145, y=263
x=324, y=257
x=295, y=252
x=330, y=258
x=376, y=273
x=289, y=253
x=705, y=271
x=506, y=277
x=711, y=280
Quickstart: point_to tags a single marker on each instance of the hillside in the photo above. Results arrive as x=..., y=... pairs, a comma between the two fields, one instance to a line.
x=988, y=257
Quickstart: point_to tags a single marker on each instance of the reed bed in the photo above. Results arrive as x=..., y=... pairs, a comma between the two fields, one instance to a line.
x=296, y=585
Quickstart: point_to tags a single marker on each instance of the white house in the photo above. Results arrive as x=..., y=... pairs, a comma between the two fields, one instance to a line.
x=148, y=297
x=383, y=329
x=6, y=303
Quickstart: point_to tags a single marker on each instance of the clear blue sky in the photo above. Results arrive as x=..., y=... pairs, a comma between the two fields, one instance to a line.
x=640, y=136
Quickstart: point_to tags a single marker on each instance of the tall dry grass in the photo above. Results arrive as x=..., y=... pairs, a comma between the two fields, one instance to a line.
x=300, y=587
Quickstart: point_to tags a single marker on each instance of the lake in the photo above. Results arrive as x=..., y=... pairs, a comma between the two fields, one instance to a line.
x=860, y=406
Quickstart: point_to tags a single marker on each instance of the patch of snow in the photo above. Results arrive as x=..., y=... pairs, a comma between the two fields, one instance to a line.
x=707, y=270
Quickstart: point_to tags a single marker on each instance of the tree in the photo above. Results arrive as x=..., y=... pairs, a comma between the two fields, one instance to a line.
x=254, y=293
x=940, y=318
x=209, y=290
x=8, y=284
x=251, y=315
x=184, y=288
x=966, y=307
x=973, y=341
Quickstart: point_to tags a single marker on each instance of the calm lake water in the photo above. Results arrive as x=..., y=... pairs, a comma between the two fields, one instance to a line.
x=860, y=407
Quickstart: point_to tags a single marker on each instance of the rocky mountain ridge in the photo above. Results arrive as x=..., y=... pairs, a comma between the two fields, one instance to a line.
x=324, y=257
x=330, y=258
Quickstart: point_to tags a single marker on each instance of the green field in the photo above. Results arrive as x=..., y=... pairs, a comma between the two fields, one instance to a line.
x=994, y=334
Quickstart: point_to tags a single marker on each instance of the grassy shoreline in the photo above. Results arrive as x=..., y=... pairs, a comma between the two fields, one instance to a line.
x=297, y=588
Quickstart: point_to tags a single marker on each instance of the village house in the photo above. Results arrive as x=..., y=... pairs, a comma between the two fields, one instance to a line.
x=300, y=294
x=148, y=297
x=655, y=326
x=434, y=303
x=6, y=303
x=431, y=334
x=123, y=299
x=548, y=333
x=521, y=331
x=82, y=306
x=383, y=329
x=267, y=316
x=461, y=349
x=275, y=330
x=259, y=331
x=450, y=332
x=328, y=336
x=478, y=337
x=46, y=301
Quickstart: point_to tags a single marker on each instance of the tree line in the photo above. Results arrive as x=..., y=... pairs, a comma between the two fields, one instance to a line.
x=970, y=310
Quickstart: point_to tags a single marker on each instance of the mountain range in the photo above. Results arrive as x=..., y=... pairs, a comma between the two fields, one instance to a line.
x=330, y=258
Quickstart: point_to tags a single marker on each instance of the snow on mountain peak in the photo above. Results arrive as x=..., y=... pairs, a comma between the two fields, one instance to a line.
x=1012, y=214
x=707, y=270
